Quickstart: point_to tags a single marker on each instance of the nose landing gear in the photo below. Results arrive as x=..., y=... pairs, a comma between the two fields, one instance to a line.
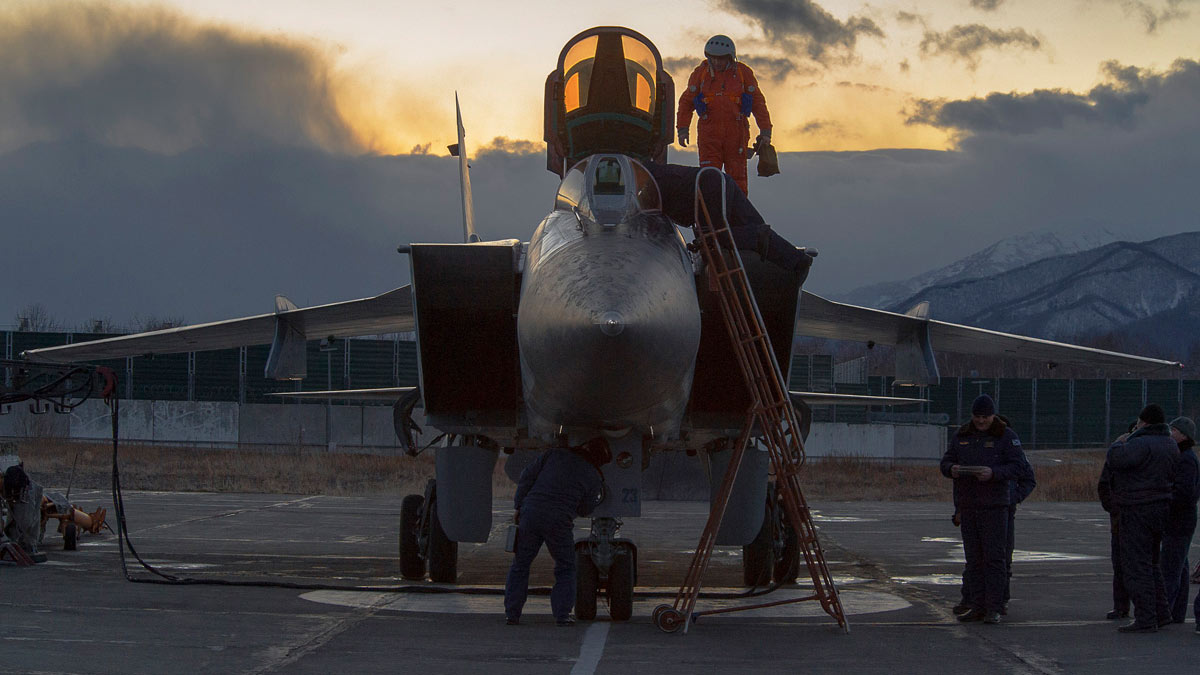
x=607, y=564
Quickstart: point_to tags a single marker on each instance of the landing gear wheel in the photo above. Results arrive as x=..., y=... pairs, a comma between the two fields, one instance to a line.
x=412, y=565
x=668, y=619
x=443, y=553
x=758, y=555
x=620, y=587
x=70, y=535
x=787, y=566
x=586, y=587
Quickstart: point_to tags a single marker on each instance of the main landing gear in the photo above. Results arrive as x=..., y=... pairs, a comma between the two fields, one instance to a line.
x=605, y=563
x=423, y=542
x=775, y=552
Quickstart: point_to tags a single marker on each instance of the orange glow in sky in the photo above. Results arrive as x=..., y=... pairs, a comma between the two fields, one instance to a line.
x=397, y=65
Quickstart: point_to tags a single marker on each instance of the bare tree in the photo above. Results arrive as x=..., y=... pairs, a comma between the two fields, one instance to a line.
x=153, y=322
x=101, y=325
x=34, y=317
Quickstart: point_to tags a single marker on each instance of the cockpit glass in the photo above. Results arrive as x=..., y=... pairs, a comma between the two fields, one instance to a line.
x=570, y=192
x=608, y=177
x=577, y=72
x=608, y=189
x=646, y=189
x=640, y=68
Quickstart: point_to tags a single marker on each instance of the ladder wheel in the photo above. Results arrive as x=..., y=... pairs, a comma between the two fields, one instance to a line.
x=668, y=619
x=657, y=611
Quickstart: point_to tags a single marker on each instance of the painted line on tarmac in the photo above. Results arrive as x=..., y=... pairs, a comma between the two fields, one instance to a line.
x=592, y=648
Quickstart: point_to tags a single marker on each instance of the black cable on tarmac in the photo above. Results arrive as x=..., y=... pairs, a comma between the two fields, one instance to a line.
x=161, y=577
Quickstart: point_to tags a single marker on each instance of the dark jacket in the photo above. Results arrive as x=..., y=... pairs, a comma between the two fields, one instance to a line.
x=1104, y=490
x=997, y=447
x=561, y=483
x=1142, y=467
x=1023, y=485
x=1184, y=495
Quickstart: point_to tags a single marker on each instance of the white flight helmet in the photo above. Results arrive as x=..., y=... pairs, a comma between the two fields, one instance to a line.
x=720, y=45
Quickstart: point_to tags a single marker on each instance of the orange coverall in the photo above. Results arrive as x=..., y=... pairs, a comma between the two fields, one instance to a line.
x=724, y=102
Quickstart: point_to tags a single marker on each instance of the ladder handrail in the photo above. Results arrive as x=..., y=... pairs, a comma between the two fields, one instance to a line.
x=770, y=408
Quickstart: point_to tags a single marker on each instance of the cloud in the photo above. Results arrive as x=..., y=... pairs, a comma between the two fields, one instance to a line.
x=987, y=5
x=823, y=128
x=504, y=145
x=151, y=78
x=806, y=26
x=1112, y=103
x=966, y=42
x=1153, y=17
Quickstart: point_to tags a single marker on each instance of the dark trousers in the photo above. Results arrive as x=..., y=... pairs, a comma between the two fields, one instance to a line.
x=985, y=542
x=1141, y=538
x=534, y=530
x=1120, y=595
x=1176, y=573
x=1012, y=543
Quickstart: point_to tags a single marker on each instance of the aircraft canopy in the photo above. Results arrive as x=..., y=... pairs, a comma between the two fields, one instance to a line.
x=607, y=189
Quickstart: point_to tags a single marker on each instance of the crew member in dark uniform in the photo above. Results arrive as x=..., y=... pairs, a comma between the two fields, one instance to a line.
x=1142, y=465
x=1181, y=521
x=983, y=459
x=558, y=486
x=1120, y=596
x=1020, y=488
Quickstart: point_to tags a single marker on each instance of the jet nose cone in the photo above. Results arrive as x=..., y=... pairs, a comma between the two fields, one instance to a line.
x=611, y=323
x=607, y=330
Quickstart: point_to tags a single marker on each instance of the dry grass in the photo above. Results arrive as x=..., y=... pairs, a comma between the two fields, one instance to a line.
x=190, y=469
x=1061, y=476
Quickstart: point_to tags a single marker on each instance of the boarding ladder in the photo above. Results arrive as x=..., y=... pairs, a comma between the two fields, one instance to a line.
x=771, y=409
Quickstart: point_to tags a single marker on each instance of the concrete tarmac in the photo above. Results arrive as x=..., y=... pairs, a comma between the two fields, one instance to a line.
x=897, y=566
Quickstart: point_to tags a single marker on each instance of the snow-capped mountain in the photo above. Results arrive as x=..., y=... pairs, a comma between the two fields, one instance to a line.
x=1148, y=289
x=1001, y=256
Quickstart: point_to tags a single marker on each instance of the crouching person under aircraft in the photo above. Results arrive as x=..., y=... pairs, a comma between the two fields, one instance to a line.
x=677, y=186
x=557, y=487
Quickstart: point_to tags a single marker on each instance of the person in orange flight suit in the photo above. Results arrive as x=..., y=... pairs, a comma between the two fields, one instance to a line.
x=723, y=92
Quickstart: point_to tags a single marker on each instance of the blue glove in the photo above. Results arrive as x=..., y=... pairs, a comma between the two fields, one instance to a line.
x=683, y=137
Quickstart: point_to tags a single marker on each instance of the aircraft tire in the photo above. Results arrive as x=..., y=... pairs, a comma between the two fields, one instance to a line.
x=620, y=587
x=70, y=537
x=787, y=567
x=412, y=565
x=757, y=556
x=443, y=553
x=587, y=586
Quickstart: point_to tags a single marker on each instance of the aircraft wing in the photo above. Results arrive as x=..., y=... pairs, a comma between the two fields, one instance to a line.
x=380, y=394
x=391, y=312
x=826, y=398
x=823, y=318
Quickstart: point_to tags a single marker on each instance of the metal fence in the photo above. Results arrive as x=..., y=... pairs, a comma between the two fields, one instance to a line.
x=1045, y=412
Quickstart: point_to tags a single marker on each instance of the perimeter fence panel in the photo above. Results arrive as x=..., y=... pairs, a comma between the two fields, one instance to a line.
x=161, y=377
x=1089, y=414
x=371, y=364
x=406, y=364
x=1016, y=404
x=1126, y=403
x=1191, y=399
x=1053, y=413
x=1166, y=394
x=943, y=398
x=217, y=375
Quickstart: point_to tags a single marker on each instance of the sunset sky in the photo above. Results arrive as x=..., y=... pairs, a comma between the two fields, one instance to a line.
x=242, y=148
x=838, y=75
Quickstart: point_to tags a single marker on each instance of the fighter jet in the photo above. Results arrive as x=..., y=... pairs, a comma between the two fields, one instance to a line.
x=603, y=323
